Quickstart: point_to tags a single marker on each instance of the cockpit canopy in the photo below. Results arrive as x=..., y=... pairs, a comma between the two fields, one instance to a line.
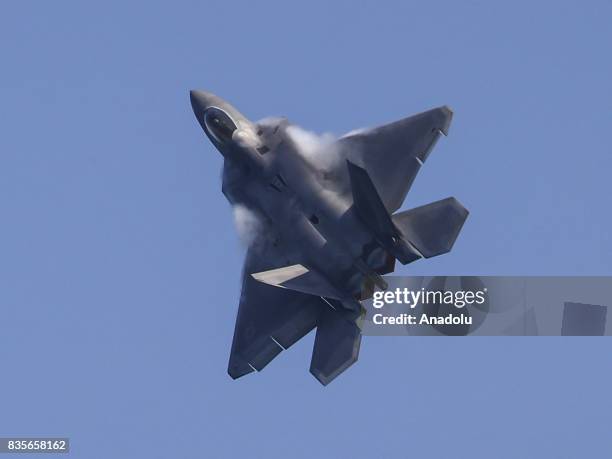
x=219, y=125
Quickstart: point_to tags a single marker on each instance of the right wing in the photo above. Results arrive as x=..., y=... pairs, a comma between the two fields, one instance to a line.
x=393, y=154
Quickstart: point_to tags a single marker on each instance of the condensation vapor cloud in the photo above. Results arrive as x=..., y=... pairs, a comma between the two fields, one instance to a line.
x=323, y=153
x=318, y=149
x=247, y=224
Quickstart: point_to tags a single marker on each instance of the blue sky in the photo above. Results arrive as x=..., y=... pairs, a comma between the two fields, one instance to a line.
x=120, y=266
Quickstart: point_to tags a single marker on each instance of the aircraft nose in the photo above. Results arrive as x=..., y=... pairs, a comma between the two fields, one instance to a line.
x=199, y=101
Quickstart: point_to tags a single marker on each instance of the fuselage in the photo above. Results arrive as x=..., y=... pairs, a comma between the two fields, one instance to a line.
x=266, y=170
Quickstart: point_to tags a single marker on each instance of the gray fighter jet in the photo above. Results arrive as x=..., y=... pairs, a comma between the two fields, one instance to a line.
x=328, y=230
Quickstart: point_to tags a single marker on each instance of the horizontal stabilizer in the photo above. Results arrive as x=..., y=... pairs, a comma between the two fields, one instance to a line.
x=336, y=345
x=300, y=279
x=432, y=228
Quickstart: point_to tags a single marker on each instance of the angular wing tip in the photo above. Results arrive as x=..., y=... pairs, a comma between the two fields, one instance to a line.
x=448, y=118
x=237, y=369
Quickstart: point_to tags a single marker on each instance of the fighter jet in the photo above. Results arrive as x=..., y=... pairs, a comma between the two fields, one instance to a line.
x=328, y=227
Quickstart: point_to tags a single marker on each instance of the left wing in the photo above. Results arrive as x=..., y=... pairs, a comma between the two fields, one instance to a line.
x=270, y=319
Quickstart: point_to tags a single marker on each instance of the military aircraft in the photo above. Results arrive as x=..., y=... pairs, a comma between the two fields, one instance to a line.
x=328, y=227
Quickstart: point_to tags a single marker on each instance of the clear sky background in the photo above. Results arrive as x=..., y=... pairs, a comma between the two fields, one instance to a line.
x=120, y=267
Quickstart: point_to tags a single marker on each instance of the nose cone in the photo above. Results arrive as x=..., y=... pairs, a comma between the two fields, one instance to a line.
x=200, y=101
